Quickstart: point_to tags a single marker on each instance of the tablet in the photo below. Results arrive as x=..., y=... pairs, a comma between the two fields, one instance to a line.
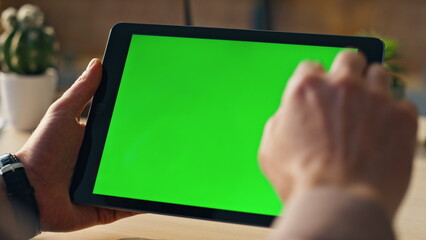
x=176, y=123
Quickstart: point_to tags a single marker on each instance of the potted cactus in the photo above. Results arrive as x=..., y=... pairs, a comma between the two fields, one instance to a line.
x=391, y=63
x=27, y=55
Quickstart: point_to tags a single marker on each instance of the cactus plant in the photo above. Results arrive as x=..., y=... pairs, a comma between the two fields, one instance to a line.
x=391, y=63
x=26, y=46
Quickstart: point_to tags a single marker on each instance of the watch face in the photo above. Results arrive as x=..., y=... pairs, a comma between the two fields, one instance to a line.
x=8, y=158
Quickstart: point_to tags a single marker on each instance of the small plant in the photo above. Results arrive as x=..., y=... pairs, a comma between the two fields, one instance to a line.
x=391, y=58
x=26, y=46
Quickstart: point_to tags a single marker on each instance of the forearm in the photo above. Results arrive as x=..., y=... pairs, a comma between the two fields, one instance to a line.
x=7, y=218
x=332, y=214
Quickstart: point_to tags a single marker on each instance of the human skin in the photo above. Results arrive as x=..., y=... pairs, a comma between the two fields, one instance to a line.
x=342, y=130
x=50, y=154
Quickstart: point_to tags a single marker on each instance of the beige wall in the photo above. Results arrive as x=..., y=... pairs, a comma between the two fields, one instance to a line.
x=82, y=25
x=404, y=20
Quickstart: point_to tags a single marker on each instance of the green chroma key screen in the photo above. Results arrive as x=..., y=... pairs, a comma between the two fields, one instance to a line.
x=189, y=117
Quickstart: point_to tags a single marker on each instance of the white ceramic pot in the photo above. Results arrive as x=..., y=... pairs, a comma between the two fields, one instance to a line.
x=26, y=98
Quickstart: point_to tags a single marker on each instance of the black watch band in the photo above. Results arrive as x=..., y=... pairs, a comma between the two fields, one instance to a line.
x=21, y=196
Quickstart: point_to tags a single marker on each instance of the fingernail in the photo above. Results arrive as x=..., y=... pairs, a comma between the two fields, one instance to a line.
x=92, y=62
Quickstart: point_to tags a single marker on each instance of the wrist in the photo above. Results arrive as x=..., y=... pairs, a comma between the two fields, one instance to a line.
x=19, y=195
x=329, y=212
x=356, y=190
x=8, y=224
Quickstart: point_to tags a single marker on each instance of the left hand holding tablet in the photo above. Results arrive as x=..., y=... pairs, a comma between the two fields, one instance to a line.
x=49, y=157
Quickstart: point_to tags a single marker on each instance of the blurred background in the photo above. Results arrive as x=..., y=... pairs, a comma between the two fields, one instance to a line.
x=82, y=26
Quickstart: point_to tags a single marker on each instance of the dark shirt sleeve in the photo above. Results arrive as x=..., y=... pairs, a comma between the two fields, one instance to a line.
x=331, y=214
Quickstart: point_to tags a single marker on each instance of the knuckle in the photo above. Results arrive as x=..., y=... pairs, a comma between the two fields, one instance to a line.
x=309, y=80
x=307, y=75
x=264, y=159
x=264, y=149
x=262, y=155
x=380, y=72
x=346, y=79
x=306, y=83
x=58, y=107
x=346, y=85
x=269, y=123
x=54, y=106
x=82, y=77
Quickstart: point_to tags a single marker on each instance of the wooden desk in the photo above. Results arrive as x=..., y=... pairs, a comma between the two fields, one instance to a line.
x=410, y=222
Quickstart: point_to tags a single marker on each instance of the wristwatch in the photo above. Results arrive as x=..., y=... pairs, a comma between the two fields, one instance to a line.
x=21, y=196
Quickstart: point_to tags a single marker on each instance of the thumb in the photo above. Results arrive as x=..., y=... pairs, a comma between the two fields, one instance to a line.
x=81, y=92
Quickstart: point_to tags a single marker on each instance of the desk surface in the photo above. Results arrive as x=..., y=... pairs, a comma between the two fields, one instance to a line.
x=410, y=222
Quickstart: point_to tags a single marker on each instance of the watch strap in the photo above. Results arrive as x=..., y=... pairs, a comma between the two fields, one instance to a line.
x=21, y=196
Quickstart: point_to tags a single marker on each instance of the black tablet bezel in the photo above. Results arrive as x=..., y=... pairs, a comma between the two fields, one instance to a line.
x=81, y=189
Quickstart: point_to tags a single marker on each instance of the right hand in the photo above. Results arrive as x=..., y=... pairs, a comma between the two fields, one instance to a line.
x=342, y=130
